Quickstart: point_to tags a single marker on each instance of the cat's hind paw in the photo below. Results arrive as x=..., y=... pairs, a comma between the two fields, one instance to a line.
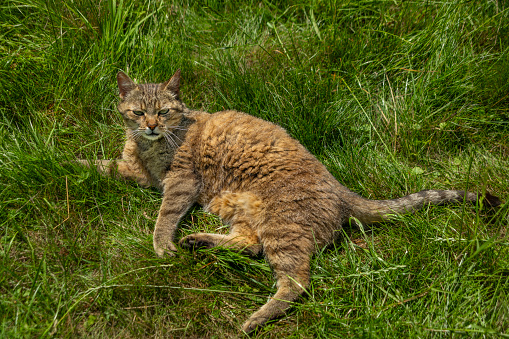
x=252, y=325
x=195, y=241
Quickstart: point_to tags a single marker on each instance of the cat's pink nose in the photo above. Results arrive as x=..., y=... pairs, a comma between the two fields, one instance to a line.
x=152, y=126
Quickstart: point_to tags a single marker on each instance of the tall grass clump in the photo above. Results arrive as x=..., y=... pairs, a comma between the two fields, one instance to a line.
x=392, y=96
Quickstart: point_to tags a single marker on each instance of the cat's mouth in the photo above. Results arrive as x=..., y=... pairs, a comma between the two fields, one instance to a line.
x=151, y=135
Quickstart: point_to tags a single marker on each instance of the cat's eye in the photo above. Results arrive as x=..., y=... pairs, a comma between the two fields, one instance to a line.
x=164, y=111
x=138, y=113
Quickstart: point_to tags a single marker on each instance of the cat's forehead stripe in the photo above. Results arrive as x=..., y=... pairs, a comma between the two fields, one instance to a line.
x=153, y=96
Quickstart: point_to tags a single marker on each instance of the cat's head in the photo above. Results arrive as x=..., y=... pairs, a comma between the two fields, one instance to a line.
x=151, y=111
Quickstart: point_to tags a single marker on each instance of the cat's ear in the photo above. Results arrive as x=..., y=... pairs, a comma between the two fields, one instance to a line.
x=125, y=84
x=173, y=85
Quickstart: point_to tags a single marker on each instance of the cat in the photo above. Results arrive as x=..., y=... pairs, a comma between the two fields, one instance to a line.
x=277, y=197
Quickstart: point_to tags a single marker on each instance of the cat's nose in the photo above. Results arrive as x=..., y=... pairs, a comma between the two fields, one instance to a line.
x=152, y=126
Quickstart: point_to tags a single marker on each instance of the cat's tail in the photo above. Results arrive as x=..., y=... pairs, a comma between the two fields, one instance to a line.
x=372, y=211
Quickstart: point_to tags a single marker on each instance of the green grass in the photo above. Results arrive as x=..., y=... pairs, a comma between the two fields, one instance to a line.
x=392, y=96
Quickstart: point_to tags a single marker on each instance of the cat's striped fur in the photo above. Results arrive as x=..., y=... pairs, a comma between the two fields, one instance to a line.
x=277, y=197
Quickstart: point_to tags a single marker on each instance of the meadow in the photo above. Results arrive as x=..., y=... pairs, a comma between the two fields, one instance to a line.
x=392, y=96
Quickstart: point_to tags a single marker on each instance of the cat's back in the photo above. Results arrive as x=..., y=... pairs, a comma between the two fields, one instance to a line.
x=239, y=129
x=239, y=152
x=237, y=139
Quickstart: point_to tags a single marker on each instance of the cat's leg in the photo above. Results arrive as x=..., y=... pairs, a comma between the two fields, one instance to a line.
x=120, y=168
x=129, y=167
x=132, y=171
x=244, y=212
x=103, y=166
x=241, y=238
x=180, y=191
x=288, y=253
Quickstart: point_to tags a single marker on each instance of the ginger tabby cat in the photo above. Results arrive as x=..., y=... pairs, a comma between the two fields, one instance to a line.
x=277, y=197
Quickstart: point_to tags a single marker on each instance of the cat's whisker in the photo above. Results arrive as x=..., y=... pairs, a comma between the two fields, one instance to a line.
x=167, y=139
x=138, y=134
x=173, y=142
x=173, y=134
x=135, y=134
x=170, y=140
x=177, y=127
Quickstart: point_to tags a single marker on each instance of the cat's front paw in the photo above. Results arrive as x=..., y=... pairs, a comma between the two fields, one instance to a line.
x=253, y=324
x=163, y=250
x=195, y=241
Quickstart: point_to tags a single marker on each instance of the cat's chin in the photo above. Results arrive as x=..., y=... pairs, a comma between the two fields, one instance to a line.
x=152, y=136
